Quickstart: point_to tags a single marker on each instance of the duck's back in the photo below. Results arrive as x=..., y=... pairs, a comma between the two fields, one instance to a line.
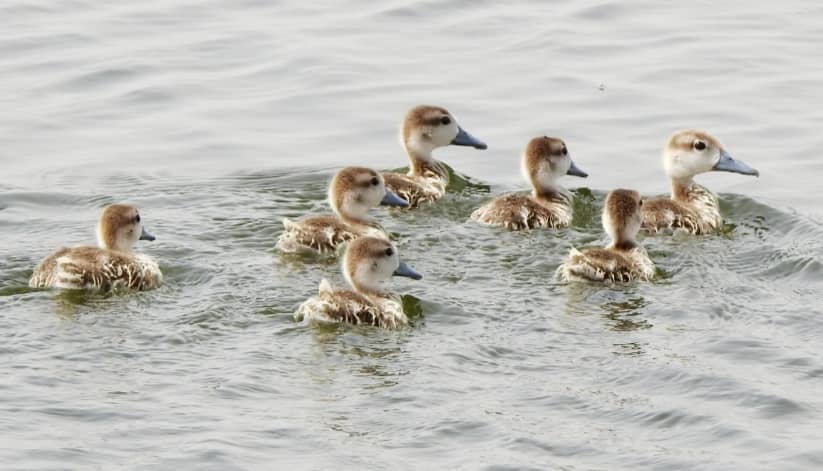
x=340, y=305
x=608, y=265
x=521, y=211
x=321, y=234
x=95, y=268
x=699, y=213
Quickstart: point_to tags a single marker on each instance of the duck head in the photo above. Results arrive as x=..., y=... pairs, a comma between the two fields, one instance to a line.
x=690, y=152
x=545, y=160
x=370, y=261
x=119, y=227
x=353, y=191
x=426, y=128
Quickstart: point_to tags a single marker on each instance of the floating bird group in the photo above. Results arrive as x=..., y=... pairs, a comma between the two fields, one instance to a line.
x=370, y=258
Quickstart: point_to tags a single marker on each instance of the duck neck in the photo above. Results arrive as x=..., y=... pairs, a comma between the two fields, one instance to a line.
x=353, y=213
x=361, y=220
x=681, y=187
x=623, y=238
x=107, y=240
x=366, y=290
x=623, y=244
x=422, y=162
x=547, y=189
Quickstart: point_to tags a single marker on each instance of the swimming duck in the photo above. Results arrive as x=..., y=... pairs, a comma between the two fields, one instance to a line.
x=367, y=263
x=424, y=129
x=352, y=192
x=624, y=259
x=545, y=160
x=692, y=207
x=111, y=265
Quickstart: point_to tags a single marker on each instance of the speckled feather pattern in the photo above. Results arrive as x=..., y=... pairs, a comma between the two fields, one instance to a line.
x=608, y=265
x=340, y=305
x=520, y=211
x=323, y=234
x=698, y=213
x=425, y=185
x=96, y=268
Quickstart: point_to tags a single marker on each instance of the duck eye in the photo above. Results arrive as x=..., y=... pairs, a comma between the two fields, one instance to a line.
x=640, y=203
x=375, y=181
x=389, y=252
x=445, y=120
x=137, y=218
x=699, y=145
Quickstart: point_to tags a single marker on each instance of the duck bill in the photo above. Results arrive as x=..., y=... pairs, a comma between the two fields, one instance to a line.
x=728, y=164
x=465, y=139
x=407, y=271
x=390, y=199
x=576, y=171
x=146, y=235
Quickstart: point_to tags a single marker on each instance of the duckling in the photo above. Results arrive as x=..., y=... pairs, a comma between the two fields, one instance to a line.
x=692, y=208
x=424, y=129
x=352, y=192
x=367, y=263
x=545, y=160
x=624, y=259
x=109, y=266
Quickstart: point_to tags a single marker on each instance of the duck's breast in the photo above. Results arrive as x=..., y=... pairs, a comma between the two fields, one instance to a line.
x=698, y=214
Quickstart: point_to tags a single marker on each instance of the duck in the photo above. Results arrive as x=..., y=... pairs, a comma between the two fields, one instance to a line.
x=622, y=260
x=367, y=263
x=111, y=265
x=352, y=192
x=549, y=205
x=424, y=129
x=692, y=208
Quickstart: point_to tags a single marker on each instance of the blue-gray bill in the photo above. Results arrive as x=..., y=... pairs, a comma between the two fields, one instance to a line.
x=728, y=164
x=145, y=235
x=390, y=199
x=465, y=139
x=407, y=271
x=576, y=171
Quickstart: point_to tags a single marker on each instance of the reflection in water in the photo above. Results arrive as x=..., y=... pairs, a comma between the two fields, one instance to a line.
x=624, y=314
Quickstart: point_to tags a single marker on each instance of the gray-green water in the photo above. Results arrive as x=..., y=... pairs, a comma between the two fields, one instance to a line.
x=217, y=120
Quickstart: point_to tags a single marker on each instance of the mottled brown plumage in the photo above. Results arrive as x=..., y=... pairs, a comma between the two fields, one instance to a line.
x=324, y=233
x=694, y=210
x=544, y=161
x=424, y=128
x=352, y=192
x=624, y=259
x=96, y=268
x=426, y=182
x=112, y=265
x=691, y=207
x=367, y=263
x=519, y=211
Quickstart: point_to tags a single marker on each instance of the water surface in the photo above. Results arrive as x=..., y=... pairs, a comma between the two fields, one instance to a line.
x=219, y=119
